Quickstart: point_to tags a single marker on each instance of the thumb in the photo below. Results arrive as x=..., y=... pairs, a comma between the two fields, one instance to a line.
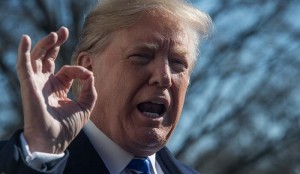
x=88, y=95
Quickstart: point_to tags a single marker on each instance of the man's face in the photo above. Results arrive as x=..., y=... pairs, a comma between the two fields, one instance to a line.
x=141, y=79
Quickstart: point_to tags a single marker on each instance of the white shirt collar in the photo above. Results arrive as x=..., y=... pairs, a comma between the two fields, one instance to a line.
x=113, y=156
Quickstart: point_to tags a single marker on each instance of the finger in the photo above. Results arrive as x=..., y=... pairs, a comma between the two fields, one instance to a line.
x=24, y=67
x=68, y=73
x=63, y=34
x=41, y=48
x=48, y=60
x=88, y=95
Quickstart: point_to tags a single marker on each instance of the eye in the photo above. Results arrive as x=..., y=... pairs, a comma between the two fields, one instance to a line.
x=140, y=59
x=178, y=65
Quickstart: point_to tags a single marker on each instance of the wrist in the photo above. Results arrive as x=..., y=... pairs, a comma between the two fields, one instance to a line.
x=37, y=159
x=43, y=145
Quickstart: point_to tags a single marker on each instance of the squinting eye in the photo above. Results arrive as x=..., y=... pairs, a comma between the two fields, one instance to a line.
x=140, y=59
x=178, y=65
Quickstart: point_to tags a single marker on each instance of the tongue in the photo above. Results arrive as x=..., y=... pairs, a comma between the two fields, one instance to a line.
x=151, y=108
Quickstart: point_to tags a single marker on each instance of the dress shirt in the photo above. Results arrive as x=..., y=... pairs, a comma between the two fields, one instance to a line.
x=115, y=158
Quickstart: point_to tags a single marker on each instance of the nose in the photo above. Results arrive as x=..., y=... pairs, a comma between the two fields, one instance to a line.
x=161, y=75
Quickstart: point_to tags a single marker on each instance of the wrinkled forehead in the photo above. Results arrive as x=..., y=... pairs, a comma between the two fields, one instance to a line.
x=164, y=22
x=160, y=27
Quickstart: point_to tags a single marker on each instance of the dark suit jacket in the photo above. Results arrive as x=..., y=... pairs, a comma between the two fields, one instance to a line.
x=80, y=158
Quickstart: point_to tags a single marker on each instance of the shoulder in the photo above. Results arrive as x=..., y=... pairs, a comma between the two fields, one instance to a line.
x=169, y=162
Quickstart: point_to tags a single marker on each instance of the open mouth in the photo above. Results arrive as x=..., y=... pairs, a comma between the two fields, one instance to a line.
x=152, y=109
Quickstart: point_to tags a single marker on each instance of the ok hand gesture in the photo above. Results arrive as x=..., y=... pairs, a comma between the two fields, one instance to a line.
x=51, y=120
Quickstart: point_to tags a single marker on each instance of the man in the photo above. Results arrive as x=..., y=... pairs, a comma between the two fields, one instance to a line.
x=133, y=62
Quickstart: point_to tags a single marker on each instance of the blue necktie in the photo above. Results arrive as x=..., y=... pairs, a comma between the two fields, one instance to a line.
x=139, y=165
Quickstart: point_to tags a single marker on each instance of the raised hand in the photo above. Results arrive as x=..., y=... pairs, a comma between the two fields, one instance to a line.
x=51, y=120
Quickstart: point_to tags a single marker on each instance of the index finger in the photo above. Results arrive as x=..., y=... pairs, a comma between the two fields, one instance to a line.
x=68, y=73
x=88, y=94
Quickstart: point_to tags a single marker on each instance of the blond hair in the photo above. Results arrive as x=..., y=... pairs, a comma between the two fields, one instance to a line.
x=112, y=15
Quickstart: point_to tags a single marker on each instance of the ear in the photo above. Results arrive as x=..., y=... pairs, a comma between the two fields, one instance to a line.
x=84, y=59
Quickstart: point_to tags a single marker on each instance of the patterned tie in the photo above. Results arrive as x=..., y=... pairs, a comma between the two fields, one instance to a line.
x=139, y=165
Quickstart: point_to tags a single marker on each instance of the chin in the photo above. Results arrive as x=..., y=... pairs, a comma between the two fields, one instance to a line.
x=150, y=141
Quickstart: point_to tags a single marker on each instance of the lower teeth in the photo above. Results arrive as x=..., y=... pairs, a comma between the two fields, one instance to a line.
x=151, y=114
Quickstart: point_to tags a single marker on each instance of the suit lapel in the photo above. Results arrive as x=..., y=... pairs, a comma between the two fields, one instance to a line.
x=170, y=165
x=167, y=162
x=83, y=157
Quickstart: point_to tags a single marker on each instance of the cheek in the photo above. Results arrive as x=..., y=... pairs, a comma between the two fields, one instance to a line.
x=181, y=84
x=178, y=93
x=123, y=87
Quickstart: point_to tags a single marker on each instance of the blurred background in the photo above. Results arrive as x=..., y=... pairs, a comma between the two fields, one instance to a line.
x=242, y=111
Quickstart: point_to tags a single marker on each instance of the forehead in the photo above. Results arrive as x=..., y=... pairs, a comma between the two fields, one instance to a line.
x=157, y=30
x=161, y=27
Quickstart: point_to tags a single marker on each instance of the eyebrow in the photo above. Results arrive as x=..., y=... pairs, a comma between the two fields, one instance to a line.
x=154, y=46
x=180, y=51
x=147, y=45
